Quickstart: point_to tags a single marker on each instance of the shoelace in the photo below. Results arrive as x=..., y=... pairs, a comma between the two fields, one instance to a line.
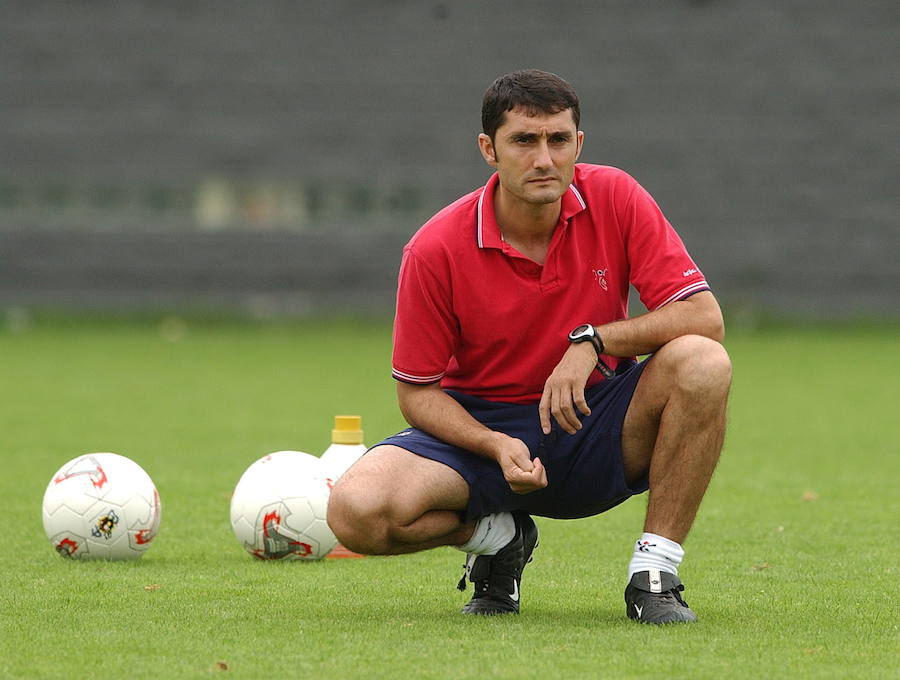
x=484, y=585
x=481, y=587
x=467, y=568
x=674, y=594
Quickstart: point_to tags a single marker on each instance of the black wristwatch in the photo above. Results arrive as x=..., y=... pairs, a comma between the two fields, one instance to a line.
x=587, y=333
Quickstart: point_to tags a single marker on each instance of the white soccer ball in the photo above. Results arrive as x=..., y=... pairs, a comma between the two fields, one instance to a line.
x=101, y=506
x=278, y=508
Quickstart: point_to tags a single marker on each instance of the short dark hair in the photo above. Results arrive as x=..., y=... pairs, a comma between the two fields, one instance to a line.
x=532, y=90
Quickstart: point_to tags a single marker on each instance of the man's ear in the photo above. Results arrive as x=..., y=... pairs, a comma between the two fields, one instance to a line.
x=488, y=152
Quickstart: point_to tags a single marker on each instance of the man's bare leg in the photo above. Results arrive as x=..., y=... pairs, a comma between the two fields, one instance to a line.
x=674, y=430
x=673, y=433
x=393, y=501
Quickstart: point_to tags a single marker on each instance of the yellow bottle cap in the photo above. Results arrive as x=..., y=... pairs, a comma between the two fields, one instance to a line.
x=347, y=430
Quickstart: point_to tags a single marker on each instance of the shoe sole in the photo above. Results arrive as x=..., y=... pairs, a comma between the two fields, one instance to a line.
x=662, y=623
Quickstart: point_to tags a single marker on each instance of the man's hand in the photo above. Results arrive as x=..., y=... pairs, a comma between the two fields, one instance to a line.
x=521, y=473
x=564, y=389
x=431, y=409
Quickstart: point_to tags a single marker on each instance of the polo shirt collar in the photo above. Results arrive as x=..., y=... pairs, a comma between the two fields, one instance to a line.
x=487, y=230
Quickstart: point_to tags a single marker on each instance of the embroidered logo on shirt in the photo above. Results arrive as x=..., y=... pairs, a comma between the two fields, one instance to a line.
x=601, y=277
x=688, y=272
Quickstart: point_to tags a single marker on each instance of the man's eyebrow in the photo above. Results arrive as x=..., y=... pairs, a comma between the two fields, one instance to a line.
x=529, y=136
x=522, y=135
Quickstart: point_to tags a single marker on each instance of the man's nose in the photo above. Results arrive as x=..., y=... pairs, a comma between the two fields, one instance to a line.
x=542, y=157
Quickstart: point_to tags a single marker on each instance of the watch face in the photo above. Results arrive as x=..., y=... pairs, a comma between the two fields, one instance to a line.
x=583, y=331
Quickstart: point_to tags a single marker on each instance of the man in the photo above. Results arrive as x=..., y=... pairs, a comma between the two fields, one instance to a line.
x=515, y=367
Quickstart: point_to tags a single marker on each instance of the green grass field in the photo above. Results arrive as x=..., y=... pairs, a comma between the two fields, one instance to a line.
x=792, y=565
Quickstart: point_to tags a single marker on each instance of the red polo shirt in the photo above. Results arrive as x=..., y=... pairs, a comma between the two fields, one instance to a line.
x=481, y=318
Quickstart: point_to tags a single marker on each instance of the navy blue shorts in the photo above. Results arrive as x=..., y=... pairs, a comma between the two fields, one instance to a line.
x=584, y=470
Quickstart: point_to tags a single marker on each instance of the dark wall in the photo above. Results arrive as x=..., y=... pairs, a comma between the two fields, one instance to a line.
x=225, y=153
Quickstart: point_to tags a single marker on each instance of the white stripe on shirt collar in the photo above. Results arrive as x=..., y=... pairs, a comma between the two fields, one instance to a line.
x=480, y=223
x=578, y=196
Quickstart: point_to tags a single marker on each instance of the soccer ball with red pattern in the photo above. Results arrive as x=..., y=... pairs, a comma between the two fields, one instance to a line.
x=278, y=508
x=101, y=506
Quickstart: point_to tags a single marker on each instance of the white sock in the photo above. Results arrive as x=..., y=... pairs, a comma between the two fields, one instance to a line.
x=655, y=552
x=492, y=532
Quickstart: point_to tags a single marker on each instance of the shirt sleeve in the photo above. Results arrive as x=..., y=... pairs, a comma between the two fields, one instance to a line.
x=425, y=326
x=661, y=269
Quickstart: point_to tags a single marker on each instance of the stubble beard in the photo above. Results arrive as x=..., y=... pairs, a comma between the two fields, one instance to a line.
x=542, y=197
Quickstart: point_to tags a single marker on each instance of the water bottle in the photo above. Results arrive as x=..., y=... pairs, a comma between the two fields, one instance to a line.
x=346, y=447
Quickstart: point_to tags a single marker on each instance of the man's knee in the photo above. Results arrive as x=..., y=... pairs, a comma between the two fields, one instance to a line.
x=357, y=520
x=698, y=365
x=358, y=512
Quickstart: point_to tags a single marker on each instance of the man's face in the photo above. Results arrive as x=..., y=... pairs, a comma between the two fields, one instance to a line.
x=534, y=155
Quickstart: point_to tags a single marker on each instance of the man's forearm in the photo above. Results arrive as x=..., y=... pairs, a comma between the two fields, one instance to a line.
x=429, y=408
x=697, y=315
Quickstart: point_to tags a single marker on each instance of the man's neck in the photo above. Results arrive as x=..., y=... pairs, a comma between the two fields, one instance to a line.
x=527, y=227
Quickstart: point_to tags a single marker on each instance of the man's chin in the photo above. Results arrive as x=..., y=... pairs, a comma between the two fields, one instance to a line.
x=543, y=196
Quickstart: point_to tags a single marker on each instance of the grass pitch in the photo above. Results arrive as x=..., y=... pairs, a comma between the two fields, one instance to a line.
x=792, y=565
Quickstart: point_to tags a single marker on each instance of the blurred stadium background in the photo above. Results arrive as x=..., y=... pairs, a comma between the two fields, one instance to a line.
x=271, y=158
